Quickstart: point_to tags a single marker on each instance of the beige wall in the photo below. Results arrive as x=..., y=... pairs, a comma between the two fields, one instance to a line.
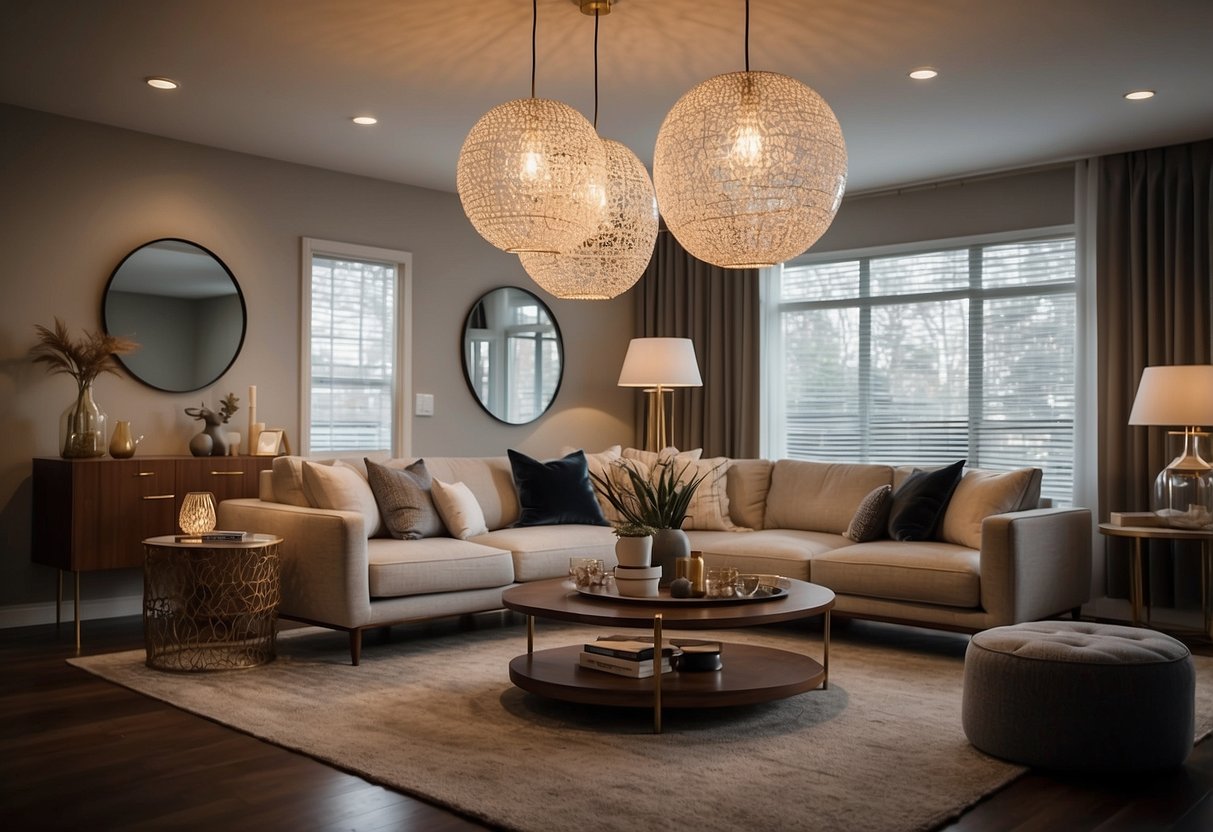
x=77, y=197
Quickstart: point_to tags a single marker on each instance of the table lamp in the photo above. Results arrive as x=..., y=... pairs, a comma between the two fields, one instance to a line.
x=1174, y=396
x=658, y=365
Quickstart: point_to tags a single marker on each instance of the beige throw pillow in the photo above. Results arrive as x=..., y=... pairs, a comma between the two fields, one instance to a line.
x=458, y=509
x=287, y=481
x=340, y=487
x=651, y=458
x=709, y=509
x=981, y=494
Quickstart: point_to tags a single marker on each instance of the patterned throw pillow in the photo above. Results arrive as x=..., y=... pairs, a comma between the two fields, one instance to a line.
x=709, y=508
x=403, y=495
x=872, y=515
x=458, y=508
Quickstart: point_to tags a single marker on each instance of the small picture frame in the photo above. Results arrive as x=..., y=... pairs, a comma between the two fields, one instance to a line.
x=269, y=441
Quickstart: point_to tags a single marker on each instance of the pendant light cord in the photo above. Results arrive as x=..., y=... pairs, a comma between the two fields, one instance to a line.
x=747, y=37
x=595, y=68
x=534, y=27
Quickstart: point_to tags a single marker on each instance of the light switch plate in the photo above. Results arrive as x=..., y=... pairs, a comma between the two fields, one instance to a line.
x=424, y=404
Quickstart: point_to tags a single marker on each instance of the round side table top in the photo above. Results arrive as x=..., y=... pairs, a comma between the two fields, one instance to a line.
x=1155, y=532
x=170, y=541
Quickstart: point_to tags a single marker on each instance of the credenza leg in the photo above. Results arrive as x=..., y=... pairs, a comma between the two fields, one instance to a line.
x=76, y=610
x=59, y=598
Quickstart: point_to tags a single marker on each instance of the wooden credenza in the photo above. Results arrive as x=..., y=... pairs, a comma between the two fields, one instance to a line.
x=93, y=514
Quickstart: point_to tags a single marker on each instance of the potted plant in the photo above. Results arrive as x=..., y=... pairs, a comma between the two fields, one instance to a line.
x=82, y=426
x=658, y=499
x=635, y=544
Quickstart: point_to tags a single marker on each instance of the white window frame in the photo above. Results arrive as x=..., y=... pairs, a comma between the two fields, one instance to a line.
x=402, y=378
x=772, y=424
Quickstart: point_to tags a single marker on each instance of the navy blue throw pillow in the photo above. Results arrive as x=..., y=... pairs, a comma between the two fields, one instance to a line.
x=555, y=492
x=919, y=505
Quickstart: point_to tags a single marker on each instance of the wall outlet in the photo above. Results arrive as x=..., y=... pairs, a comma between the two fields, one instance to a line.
x=424, y=404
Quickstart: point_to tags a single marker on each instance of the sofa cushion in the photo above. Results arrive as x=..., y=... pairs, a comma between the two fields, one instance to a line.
x=458, y=509
x=819, y=496
x=556, y=492
x=871, y=518
x=599, y=465
x=786, y=552
x=747, y=484
x=981, y=494
x=403, y=495
x=927, y=572
x=709, y=507
x=920, y=502
x=651, y=458
x=287, y=479
x=340, y=487
x=490, y=478
x=436, y=564
x=542, y=552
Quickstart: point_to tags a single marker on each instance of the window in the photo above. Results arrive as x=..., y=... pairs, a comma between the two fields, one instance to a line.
x=928, y=356
x=355, y=334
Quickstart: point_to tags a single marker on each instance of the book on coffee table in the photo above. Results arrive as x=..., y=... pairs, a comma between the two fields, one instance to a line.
x=621, y=667
x=623, y=647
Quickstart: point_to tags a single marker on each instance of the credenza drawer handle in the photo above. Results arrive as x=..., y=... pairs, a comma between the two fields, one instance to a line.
x=160, y=497
x=227, y=473
x=146, y=474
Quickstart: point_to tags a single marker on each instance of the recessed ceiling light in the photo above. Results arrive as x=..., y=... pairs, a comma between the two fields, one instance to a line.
x=923, y=73
x=1139, y=95
x=161, y=83
x=365, y=120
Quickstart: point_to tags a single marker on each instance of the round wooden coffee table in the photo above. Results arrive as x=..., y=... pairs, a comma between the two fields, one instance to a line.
x=749, y=675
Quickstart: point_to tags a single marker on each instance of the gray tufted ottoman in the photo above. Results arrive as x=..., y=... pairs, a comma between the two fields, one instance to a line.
x=1073, y=695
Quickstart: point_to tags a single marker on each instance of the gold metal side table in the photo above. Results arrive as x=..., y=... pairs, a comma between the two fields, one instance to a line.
x=1142, y=533
x=210, y=605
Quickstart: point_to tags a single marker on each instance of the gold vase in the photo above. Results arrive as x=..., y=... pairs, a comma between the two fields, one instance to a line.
x=122, y=445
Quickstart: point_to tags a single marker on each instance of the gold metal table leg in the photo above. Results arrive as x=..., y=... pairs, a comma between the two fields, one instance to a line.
x=825, y=661
x=76, y=610
x=1135, y=583
x=530, y=634
x=657, y=662
x=1205, y=551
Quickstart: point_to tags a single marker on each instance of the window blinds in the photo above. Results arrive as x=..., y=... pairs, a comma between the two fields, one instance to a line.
x=928, y=357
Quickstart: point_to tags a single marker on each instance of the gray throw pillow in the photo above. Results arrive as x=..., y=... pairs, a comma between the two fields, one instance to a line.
x=403, y=495
x=871, y=516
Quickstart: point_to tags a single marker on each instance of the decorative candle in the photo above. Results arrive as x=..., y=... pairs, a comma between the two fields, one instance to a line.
x=252, y=418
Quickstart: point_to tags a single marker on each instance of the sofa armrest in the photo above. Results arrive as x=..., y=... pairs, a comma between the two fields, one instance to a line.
x=325, y=575
x=1035, y=563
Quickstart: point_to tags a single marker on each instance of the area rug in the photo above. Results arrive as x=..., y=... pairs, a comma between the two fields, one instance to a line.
x=437, y=717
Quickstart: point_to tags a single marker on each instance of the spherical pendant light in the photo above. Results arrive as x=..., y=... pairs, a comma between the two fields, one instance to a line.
x=749, y=169
x=526, y=173
x=610, y=261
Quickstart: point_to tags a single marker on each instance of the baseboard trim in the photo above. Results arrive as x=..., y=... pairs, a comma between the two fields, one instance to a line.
x=28, y=615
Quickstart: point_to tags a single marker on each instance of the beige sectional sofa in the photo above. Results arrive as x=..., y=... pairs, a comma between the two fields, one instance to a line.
x=1014, y=565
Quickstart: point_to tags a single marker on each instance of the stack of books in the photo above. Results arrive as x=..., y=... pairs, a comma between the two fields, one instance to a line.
x=214, y=536
x=624, y=656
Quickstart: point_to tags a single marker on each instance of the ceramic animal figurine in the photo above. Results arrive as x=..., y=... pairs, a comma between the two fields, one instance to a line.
x=214, y=421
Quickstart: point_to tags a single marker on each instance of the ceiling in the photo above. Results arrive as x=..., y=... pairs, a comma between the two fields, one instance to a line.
x=1021, y=83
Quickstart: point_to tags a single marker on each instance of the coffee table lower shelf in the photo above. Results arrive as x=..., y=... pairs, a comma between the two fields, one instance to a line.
x=750, y=675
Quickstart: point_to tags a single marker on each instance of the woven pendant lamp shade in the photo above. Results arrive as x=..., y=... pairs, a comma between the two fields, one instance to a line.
x=610, y=262
x=526, y=175
x=749, y=169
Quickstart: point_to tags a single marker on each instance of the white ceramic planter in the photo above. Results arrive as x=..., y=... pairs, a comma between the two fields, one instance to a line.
x=634, y=552
x=637, y=582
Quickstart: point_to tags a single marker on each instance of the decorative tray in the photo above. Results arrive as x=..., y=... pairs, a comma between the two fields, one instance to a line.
x=663, y=597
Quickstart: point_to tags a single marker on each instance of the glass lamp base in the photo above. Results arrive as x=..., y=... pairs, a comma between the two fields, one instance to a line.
x=1183, y=497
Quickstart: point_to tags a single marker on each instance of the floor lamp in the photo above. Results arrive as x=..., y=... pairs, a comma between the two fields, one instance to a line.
x=1172, y=396
x=658, y=365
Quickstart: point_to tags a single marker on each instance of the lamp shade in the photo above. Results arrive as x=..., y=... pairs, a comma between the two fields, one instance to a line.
x=1174, y=395
x=664, y=362
x=609, y=262
x=749, y=169
x=528, y=174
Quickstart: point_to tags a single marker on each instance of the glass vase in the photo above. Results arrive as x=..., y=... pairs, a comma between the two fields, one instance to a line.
x=82, y=431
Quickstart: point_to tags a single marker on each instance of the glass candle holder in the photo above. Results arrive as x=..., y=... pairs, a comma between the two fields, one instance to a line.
x=197, y=513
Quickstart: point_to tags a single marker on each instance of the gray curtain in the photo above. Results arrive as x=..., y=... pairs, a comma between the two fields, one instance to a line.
x=681, y=297
x=1154, y=250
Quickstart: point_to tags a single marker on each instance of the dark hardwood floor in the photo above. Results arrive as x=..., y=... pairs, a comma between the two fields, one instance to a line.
x=80, y=753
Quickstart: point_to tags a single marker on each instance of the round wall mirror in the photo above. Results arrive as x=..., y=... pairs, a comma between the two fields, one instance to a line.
x=183, y=307
x=513, y=356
